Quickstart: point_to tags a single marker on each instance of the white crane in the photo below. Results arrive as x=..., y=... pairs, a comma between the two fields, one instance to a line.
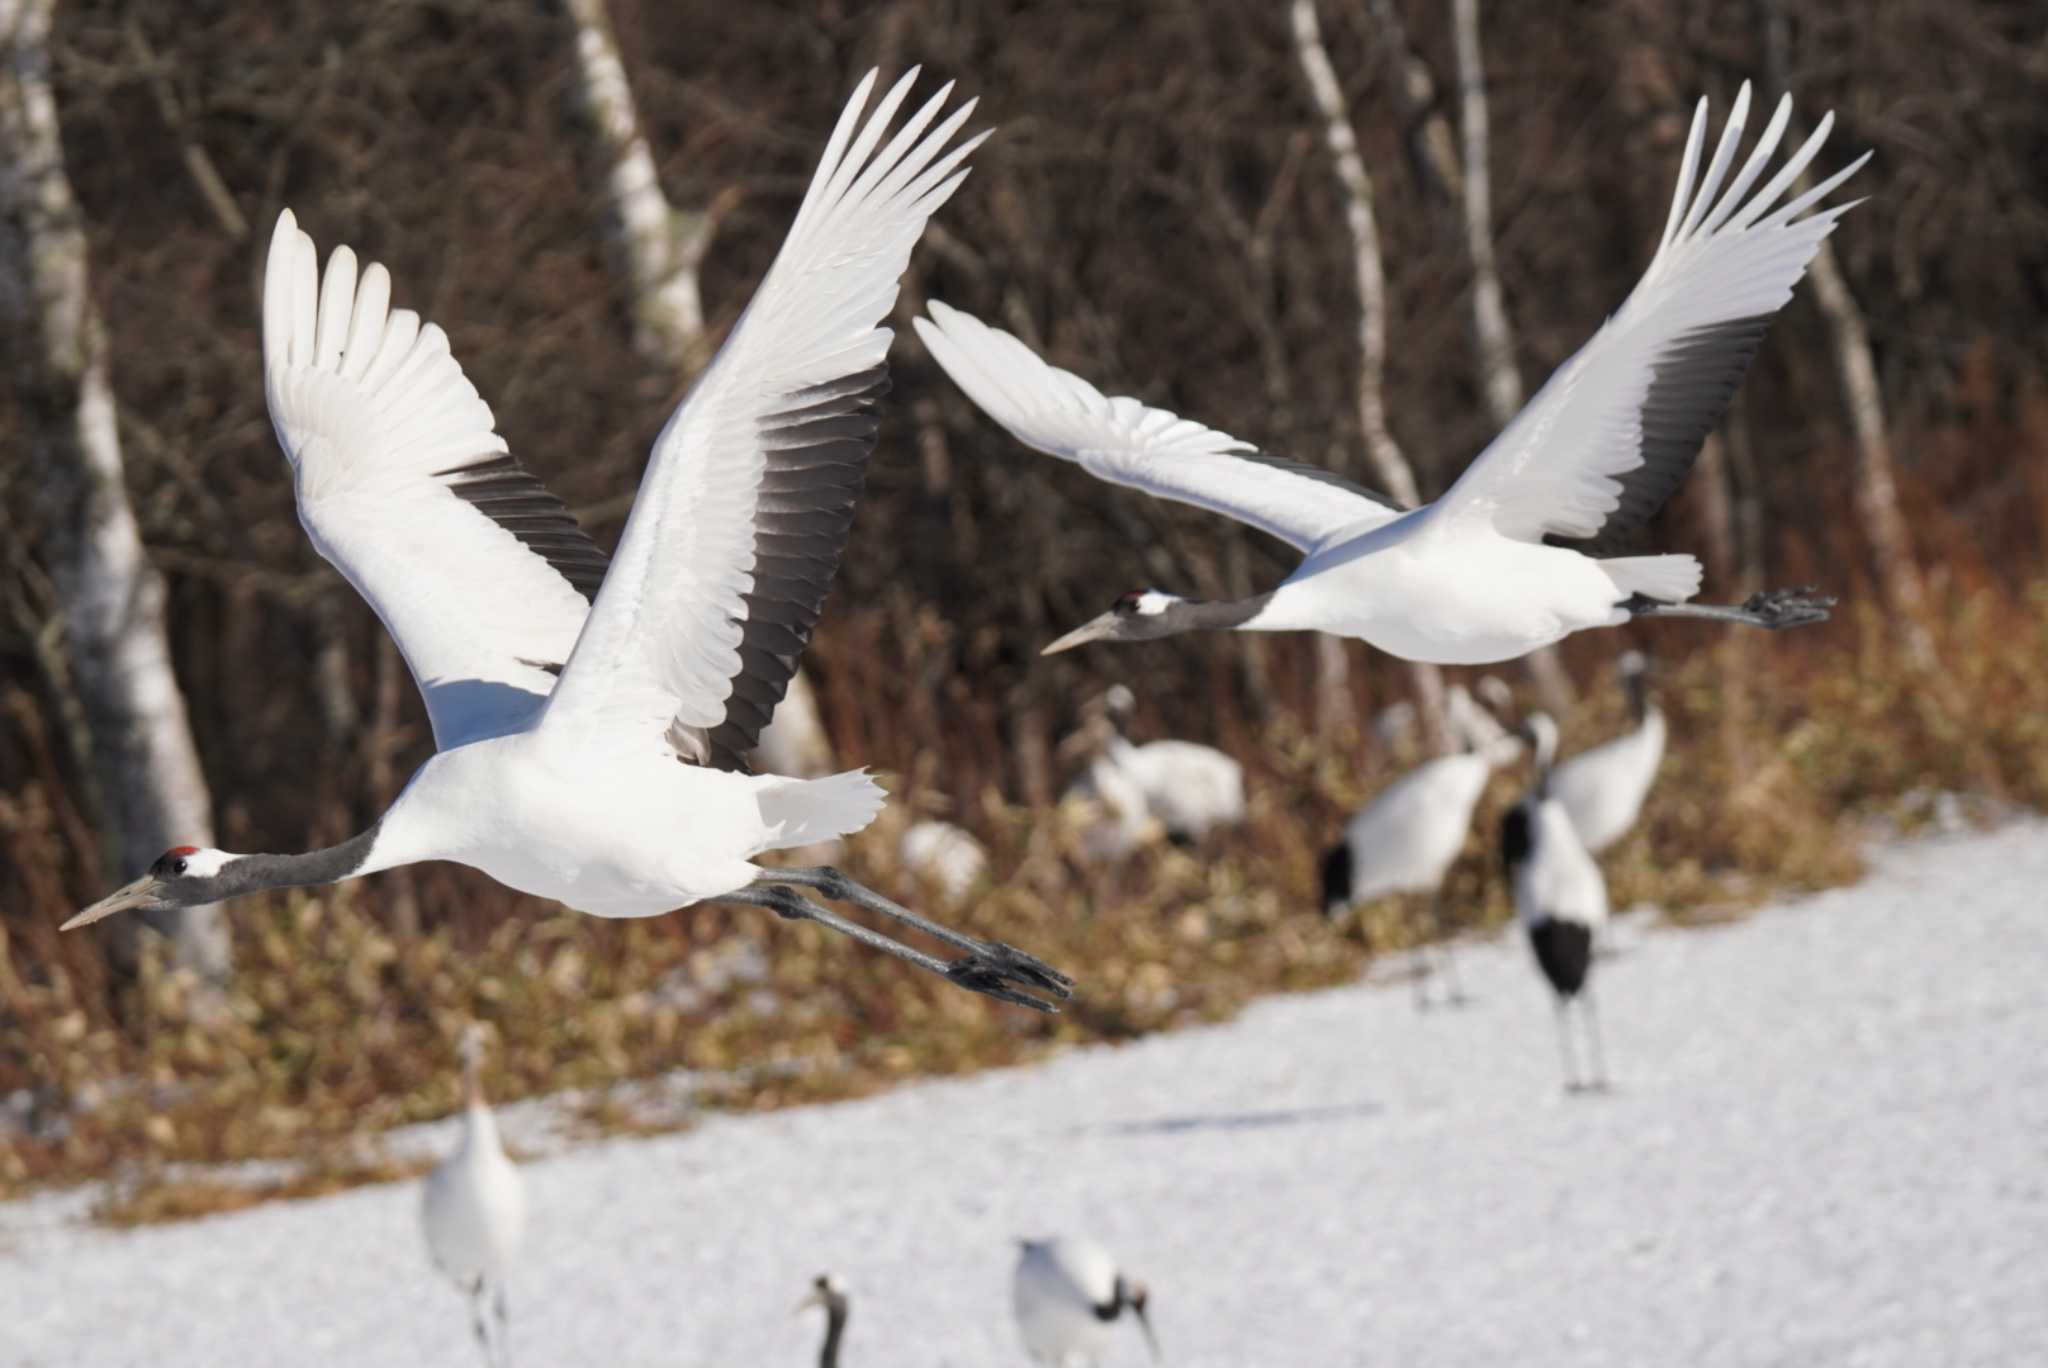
x=1188, y=788
x=1524, y=548
x=1603, y=788
x=592, y=719
x=473, y=1208
x=1405, y=840
x=1561, y=900
x=945, y=855
x=828, y=1292
x=1068, y=1296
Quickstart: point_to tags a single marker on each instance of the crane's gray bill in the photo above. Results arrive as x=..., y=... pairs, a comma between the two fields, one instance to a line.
x=1095, y=629
x=143, y=893
x=1145, y=1323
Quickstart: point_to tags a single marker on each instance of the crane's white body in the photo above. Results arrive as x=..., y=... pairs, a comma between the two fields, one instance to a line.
x=1560, y=880
x=1405, y=839
x=1190, y=788
x=1057, y=1286
x=473, y=1206
x=947, y=855
x=1470, y=578
x=578, y=737
x=1604, y=788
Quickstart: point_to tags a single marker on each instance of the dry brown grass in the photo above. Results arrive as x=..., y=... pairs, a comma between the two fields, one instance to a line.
x=335, y=1027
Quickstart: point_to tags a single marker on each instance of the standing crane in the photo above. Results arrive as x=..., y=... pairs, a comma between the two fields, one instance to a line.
x=1560, y=899
x=1188, y=788
x=591, y=717
x=1405, y=840
x=1524, y=549
x=829, y=1293
x=473, y=1209
x=1068, y=1294
x=1603, y=788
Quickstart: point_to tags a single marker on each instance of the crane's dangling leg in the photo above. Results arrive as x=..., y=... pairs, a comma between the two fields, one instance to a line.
x=1775, y=609
x=987, y=967
x=1564, y=1039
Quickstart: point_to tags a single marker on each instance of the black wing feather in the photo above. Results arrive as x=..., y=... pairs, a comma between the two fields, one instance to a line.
x=513, y=497
x=1694, y=378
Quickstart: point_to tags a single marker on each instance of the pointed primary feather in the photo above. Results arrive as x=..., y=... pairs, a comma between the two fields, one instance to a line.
x=743, y=512
x=405, y=486
x=1613, y=433
x=1125, y=442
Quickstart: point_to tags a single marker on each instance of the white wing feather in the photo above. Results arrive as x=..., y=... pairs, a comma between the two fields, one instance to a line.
x=1125, y=442
x=1557, y=467
x=663, y=640
x=370, y=408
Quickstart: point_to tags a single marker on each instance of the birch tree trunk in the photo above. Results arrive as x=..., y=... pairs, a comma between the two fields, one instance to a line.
x=660, y=249
x=1500, y=378
x=1389, y=463
x=150, y=792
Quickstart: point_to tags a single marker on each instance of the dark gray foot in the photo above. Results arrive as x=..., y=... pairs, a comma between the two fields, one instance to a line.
x=1776, y=609
x=991, y=969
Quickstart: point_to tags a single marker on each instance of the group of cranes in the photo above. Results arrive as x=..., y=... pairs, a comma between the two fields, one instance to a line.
x=592, y=714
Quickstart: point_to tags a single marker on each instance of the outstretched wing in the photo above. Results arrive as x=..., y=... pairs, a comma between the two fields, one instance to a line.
x=404, y=485
x=1611, y=436
x=744, y=510
x=1124, y=442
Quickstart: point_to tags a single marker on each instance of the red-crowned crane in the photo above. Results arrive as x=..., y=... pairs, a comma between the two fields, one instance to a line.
x=473, y=1209
x=1603, y=788
x=1561, y=901
x=1525, y=548
x=591, y=718
x=1069, y=1295
x=829, y=1294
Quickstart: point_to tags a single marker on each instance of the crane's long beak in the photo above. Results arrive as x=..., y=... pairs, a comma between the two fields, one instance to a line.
x=142, y=893
x=815, y=1299
x=1095, y=629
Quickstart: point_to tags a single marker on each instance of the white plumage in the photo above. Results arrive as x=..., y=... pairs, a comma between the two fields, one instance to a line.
x=1181, y=788
x=1069, y=1295
x=592, y=717
x=1560, y=899
x=945, y=855
x=1407, y=837
x=1603, y=788
x=473, y=1210
x=1474, y=576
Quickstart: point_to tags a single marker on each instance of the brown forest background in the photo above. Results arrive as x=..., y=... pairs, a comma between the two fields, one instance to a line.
x=1158, y=212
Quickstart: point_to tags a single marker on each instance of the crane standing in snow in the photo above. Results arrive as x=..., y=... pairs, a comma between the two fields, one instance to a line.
x=830, y=1294
x=1560, y=899
x=1406, y=838
x=1603, y=788
x=473, y=1209
x=1524, y=549
x=1068, y=1294
x=591, y=718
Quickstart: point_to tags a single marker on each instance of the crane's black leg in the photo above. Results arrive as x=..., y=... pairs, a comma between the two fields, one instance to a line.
x=503, y=1316
x=480, y=1322
x=1454, y=987
x=1599, y=1082
x=987, y=967
x=1773, y=609
x=1564, y=1039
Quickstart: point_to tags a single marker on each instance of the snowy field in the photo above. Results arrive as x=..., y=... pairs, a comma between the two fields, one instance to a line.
x=1828, y=1146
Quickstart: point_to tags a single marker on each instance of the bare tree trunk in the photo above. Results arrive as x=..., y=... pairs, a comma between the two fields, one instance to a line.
x=151, y=792
x=1500, y=377
x=1389, y=462
x=1430, y=140
x=661, y=250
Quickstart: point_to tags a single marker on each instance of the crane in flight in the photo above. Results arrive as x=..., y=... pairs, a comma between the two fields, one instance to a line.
x=591, y=719
x=1526, y=547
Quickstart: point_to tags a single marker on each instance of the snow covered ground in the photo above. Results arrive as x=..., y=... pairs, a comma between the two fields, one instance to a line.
x=1828, y=1145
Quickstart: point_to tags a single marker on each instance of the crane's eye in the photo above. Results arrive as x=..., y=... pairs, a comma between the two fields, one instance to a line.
x=178, y=866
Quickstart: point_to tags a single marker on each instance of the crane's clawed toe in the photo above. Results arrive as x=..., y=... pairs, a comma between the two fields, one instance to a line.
x=994, y=966
x=1777, y=609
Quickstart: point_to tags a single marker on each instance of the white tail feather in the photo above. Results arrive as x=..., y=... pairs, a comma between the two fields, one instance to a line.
x=1672, y=579
x=805, y=811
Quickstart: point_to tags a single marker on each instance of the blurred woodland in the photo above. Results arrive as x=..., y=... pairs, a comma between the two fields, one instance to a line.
x=1159, y=212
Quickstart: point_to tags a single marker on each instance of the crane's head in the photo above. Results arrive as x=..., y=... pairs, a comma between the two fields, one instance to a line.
x=828, y=1291
x=183, y=876
x=1139, y=615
